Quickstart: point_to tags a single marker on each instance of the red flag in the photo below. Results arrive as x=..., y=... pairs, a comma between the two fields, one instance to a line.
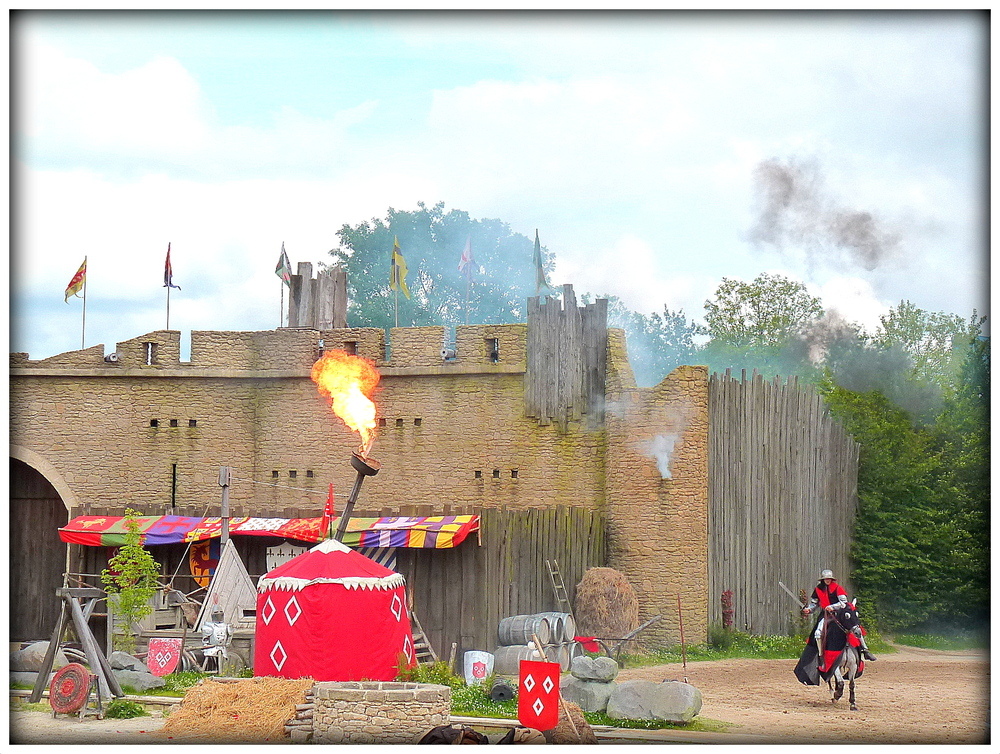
x=538, y=695
x=168, y=272
x=467, y=263
x=78, y=281
x=329, y=514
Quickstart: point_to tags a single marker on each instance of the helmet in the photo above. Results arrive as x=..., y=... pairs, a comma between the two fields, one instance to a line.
x=826, y=574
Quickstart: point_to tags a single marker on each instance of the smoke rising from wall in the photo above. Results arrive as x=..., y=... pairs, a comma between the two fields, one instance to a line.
x=663, y=444
x=794, y=210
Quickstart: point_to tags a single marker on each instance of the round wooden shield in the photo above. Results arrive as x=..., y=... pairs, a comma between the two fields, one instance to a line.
x=69, y=688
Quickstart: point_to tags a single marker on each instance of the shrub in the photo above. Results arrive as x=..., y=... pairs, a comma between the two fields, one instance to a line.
x=123, y=709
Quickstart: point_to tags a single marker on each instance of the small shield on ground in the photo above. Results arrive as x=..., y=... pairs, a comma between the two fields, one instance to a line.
x=163, y=656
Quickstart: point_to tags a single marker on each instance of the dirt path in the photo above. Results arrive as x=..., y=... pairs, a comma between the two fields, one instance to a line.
x=909, y=697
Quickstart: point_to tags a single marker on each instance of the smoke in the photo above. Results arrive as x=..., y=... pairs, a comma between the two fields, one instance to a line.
x=794, y=210
x=661, y=449
x=663, y=444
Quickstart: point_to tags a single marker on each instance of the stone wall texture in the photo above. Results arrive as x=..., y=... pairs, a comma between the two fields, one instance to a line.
x=377, y=712
x=151, y=432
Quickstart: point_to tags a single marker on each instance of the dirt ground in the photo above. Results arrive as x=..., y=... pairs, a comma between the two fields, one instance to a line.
x=912, y=696
x=909, y=697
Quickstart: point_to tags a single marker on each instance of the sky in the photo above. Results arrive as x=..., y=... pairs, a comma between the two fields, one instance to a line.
x=655, y=152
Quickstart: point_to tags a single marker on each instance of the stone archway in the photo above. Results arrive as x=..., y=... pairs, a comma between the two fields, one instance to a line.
x=37, y=555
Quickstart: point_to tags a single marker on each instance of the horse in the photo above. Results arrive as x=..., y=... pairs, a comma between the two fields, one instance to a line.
x=841, y=661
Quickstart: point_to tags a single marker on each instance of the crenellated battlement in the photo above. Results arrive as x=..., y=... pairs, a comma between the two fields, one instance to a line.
x=486, y=348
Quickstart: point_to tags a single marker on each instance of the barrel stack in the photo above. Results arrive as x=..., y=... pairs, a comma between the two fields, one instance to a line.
x=556, y=633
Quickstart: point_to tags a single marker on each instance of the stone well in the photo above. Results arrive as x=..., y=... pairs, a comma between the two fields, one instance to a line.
x=377, y=712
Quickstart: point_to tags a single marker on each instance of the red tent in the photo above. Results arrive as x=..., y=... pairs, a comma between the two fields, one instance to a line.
x=333, y=615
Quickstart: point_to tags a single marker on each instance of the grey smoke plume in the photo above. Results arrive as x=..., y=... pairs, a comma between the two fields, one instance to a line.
x=661, y=449
x=795, y=211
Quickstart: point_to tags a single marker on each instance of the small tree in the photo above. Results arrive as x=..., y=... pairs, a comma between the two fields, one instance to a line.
x=130, y=581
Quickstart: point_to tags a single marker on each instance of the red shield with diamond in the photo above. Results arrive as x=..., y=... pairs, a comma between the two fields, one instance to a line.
x=164, y=654
x=538, y=695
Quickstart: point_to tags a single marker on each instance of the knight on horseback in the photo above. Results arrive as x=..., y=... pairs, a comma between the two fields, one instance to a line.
x=826, y=597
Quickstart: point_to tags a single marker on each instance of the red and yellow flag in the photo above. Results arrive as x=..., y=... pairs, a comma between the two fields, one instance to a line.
x=79, y=280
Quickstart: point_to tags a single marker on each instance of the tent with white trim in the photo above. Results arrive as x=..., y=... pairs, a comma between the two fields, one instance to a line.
x=332, y=614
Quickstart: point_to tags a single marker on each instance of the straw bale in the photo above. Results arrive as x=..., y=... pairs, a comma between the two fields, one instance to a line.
x=576, y=732
x=606, y=605
x=252, y=710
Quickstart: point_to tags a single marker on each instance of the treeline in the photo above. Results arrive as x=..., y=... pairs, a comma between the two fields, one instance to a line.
x=914, y=393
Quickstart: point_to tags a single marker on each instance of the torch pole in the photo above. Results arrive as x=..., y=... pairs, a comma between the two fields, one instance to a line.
x=680, y=623
x=342, y=526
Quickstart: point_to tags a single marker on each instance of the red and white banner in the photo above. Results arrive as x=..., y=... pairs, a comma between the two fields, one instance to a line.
x=538, y=695
x=163, y=656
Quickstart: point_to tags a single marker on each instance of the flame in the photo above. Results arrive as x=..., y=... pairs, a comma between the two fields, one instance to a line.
x=349, y=382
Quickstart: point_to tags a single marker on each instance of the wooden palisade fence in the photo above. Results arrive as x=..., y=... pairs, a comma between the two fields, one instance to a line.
x=460, y=595
x=782, y=497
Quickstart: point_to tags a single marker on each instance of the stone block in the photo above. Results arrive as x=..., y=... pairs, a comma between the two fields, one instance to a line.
x=591, y=696
x=600, y=669
x=672, y=701
x=29, y=659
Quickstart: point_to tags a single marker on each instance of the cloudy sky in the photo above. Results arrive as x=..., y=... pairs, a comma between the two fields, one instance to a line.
x=656, y=153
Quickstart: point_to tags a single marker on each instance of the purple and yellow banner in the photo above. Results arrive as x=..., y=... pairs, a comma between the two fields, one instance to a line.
x=436, y=532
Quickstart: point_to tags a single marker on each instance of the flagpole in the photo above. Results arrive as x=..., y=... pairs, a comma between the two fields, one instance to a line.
x=168, y=307
x=281, y=306
x=395, y=305
x=83, y=331
x=468, y=283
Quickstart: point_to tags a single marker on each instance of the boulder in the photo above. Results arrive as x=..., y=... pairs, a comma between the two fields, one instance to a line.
x=672, y=701
x=139, y=680
x=29, y=659
x=600, y=669
x=125, y=661
x=591, y=696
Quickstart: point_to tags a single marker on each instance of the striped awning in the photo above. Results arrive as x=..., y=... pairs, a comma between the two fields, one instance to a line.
x=386, y=531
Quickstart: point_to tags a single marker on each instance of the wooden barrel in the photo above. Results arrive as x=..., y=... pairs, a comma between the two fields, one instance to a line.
x=518, y=629
x=507, y=659
x=567, y=626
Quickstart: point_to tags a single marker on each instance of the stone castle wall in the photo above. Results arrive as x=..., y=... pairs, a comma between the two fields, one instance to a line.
x=149, y=430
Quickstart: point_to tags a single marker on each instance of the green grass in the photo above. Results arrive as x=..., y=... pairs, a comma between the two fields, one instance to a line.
x=19, y=705
x=948, y=643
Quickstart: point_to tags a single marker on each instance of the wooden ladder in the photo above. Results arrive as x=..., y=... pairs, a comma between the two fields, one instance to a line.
x=558, y=587
x=421, y=644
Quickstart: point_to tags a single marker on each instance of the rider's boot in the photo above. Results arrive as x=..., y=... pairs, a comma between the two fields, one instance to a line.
x=864, y=647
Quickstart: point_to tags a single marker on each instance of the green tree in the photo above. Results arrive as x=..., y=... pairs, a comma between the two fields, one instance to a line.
x=657, y=343
x=431, y=241
x=936, y=342
x=131, y=582
x=763, y=314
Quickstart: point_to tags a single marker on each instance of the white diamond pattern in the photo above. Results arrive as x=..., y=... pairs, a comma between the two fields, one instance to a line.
x=396, y=607
x=293, y=604
x=529, y=682
x=278, y=651
x=547, y=684
x=538, y=706
x=408, y=648
x=269, y=610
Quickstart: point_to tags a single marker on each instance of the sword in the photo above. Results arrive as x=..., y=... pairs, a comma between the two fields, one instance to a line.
x=788, y=591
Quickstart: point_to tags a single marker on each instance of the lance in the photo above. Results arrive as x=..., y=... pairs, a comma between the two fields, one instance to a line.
x=788, y=591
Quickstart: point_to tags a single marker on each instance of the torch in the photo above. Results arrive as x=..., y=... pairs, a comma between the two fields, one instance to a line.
x=364, y=467
x=349, y=382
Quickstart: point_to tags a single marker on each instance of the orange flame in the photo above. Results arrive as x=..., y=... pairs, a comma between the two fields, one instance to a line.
x=349, y=382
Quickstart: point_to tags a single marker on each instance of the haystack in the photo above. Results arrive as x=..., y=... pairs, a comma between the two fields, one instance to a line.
x=606, y=605
x=576, y=732
x=244, y=710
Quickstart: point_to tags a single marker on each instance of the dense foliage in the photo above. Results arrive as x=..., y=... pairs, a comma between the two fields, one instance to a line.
x=914, y=393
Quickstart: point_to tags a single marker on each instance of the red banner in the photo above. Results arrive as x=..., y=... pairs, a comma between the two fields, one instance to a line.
x=163, y=656
x=538, y=695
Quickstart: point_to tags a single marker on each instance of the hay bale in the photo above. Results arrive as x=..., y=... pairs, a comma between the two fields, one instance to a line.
x=579, y=732
x=236, y=710
x=606, y=605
